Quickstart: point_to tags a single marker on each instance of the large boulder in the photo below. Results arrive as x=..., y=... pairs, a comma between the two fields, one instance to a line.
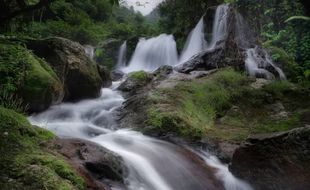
x=29, y=76
x=275, y=162
x=96, y=164
x=76, y=71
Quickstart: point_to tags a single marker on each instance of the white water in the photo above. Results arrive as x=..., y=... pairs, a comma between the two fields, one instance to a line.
x=90, y=51
x=230, y=182
x=257, y=61
x=152, y=164
x=122, y=53
x=152, y=53
x=219, y=31
x=195, y=42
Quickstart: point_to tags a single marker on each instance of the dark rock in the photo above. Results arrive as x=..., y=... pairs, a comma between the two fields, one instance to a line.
x=163, y=71
x=116, y=75
x=77, y=72
x=105, y=75
x=95, y=163
x=227, y=52
x=275, y=161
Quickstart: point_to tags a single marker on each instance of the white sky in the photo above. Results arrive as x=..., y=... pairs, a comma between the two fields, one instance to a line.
x=144, y=6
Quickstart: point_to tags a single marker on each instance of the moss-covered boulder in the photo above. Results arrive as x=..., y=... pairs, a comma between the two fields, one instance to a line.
x=135, y=81
x=68, y=59
x=28, y=76
x=25, y=163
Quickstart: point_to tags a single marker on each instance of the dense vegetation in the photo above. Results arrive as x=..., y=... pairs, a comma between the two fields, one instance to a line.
x=87, y=22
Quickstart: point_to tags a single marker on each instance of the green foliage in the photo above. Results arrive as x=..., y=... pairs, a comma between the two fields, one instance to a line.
x=179, y=17
x=88, y=22
x=293, y=18
x=279, y=26
x=27, y=164
x=11, y=101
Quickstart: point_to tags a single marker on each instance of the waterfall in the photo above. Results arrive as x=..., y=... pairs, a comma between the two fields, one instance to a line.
x=195, y=42
x=152, y=53
x=122, y=53
x=152, y=164
x=257, y=60
x=90, y=51
x=219, y=31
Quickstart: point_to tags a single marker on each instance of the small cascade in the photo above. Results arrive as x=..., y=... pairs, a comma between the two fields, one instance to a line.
x=230, y=182
x=152, y=164
x=195, y=42
x=152, y=53
x=122, y=56
x=90, y=51
x=257, y=60
x=220, y=28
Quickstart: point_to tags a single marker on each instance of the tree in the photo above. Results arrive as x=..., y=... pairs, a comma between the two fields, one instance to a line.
x=11, y=9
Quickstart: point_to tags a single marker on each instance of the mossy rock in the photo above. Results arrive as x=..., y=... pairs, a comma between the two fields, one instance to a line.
x=224, y=106
x=24, y=161
x=135, y=81
x=33, y=79
x=77, y=72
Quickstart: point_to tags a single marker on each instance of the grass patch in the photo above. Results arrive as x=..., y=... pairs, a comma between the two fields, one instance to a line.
x=192, y=107
x=224, y=106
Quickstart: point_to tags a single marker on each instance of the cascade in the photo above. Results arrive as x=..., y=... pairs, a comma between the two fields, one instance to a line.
x=151, y=163
x=195, y=42
x=219, y=31
x=152, y=53
x=90, y=51
x=122, y=56
x=257, y=60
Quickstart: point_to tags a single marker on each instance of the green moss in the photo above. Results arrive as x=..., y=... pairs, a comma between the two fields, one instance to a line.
x=40, y=82
x=24, y=161
x=27, y=76
x=139, y=76
x=190, y=109
x=203, y=107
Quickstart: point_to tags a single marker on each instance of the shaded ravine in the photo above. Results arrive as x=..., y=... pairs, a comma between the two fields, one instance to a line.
x=152, y=164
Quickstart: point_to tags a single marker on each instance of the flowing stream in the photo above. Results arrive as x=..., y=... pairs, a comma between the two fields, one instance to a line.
x=152, y=164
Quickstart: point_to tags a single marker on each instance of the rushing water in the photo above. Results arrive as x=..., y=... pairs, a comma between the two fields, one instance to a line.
x=90, y=51
x=152, y=164
x=195, y=42
x=122, y=53
x=256, y=62
x=219, y=31
x=152, y=53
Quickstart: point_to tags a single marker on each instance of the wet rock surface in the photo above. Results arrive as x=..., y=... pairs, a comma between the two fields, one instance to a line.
x=275, y=161
x=98, y=166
